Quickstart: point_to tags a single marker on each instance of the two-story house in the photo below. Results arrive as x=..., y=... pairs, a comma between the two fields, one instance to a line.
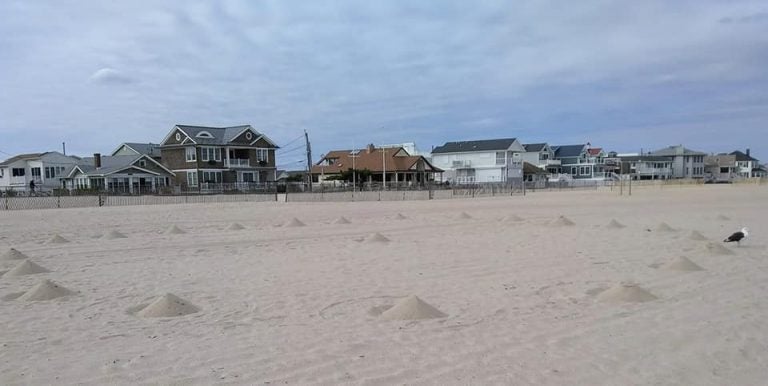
x=45, y=169
x=686, y=163
x=200, y=156
x=720, y=167
x=581, y=161
x=482, y=161
x=542, y=156
x=746, y=165
x=645, y=167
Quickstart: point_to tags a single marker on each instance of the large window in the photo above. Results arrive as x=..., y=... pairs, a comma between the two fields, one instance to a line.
x=262, y=155
x=212, y=177
x=191, y=154
x=501, y=158
x=192, y=178
x=35, y=172
x=18, y=172
x=210, y=153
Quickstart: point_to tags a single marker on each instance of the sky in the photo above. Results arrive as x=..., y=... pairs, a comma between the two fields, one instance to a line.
x=622, y=75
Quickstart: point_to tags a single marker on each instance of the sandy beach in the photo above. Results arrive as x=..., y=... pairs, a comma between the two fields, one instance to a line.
x=554, y=288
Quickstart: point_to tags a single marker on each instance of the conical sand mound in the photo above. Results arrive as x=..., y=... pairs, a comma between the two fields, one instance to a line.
x=512, y=218
x=174, y=230
x=621, y=293
x=615, y=225
x=294, y=223
x=563, y=221
x=26, y=267
x=113, y=234
x=235, y=227
x=664, y=227
x=168, y=305
x=723, y=217
x=695, y=235
x=412, y=308
x=464, y=216
x=400, y=216
x=682, y=263
x=342, y=220
x=376, y=238
x=14, y=254
x=716, y=249
x=57, y=239
x=46, y=290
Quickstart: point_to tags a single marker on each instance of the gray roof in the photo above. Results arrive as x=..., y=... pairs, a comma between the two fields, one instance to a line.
x=150, y=149
x=21, y=157
x=676, y=150
x=481, y=145
x=221, y=135
x=564, y=151
x=109, y=164
x=740, y=156
x=534, y=146
x=649, y=158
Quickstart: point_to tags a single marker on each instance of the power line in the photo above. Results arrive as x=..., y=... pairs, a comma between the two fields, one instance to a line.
x=292, y=141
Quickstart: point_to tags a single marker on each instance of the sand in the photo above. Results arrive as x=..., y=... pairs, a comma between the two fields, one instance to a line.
x=464, y=216
x=175, y=230
x=717, y=249
x=664, y=227
x=294, y=223
x=45, y=290
x=113, y=234
x=697, y=236
x=626, y=293
x=168, y=305
x=290, y=305
x=683, y=263
x=412, y=308
x=563, y=221
x=235, y=227
x=376, y=238
x=513, y=218
x=14, y=254
x=26, y=267
x=400, y=216
x=613, y=224
x=57, y=239
x=342, y=221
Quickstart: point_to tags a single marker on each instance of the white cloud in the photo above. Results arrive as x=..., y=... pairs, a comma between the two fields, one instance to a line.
x=109, y=76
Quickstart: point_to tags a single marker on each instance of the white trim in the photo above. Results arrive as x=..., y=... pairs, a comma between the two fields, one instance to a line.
x=247, y=128
x=175, y=127
x=204, y=134
x=186, y=153
x=122, y=145
x=130, y=167
x=156, y=163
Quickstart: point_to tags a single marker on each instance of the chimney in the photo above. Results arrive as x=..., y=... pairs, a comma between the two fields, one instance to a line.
x=370, y=148
x=747, y=152
x=97, y=160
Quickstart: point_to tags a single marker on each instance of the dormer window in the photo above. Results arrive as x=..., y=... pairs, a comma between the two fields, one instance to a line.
x=248, y=135
x=204, y=134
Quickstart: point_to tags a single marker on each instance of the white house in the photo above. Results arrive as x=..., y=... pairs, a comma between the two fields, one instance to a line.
x=45, y=169
x=686, y=163
x=491, y=160
x=746, y=165
x=542, y=156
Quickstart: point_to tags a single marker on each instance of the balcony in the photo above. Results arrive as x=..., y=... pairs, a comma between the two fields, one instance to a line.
x=464, y=164
x=238, y=163
x=548, y=162
x=648, y=170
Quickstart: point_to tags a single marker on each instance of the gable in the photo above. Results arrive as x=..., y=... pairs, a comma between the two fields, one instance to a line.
x=246, y=137
x=176, y=137
x=125, y=150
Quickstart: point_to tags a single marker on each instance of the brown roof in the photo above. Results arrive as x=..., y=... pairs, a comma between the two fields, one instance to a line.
x=397, y=160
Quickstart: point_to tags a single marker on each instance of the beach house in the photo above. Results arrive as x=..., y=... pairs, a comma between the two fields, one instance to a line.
x=45, y=169
x=686, y=163
x=207, y=157
x=746, y=165
x=480, y=161
x=138, y=173
x=580, y=161
x=542, y=156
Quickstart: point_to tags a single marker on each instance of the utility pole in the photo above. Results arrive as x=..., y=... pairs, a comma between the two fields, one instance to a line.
x=354, y=171
x=384, y=167
x=309, y=160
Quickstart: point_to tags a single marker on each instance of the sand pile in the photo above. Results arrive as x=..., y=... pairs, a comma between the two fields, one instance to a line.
x=512, y=218
x=400, y=216
x=46, y=290
x=174, y=230
x=14, y=254
x=294, y=223
x=376, y=238
x=113, y=234
x=563, y=221
x=57, y=239
x=626, y=292
x=168, y=305
x=464, y=216
x=235, y=227
x=682, y=263
x=412, y=308
x=664, y=227
x=716, y=249
x=342, y=220
x=695, y=235
x=723, y=217
x=615, y=224
x=26, y=267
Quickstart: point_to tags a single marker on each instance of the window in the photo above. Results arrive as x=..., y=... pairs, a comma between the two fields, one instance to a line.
x=204, y=134
x=18, y=172
x=210, y=153
x=178, y=136
x=49, y=172
x=262, y=155
x=35, y=172
x=192, y=178
x=501, y=158
x=2, y=173
x=248, y=135
x=212, y=177
x=248, y=177
x=191, y=154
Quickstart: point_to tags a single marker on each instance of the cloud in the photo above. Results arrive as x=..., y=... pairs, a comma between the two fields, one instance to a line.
x=109, y=76
x=759, y=17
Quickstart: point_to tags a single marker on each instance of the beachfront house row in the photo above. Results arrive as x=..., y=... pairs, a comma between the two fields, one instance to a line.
x=45, y=169
x=138, y=173
x=542, y=156
x=375, y=164
x=481, y=161
x=747, y=166
x=686, y=163
x=580, y=161
x=202, y=156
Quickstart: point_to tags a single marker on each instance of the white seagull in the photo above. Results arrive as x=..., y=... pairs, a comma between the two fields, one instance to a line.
x=738, y=236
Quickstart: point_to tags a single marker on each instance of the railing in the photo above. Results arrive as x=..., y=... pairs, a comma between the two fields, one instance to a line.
x=643, y=170
x=462, y=164
x=547, y=162
x=238, y=163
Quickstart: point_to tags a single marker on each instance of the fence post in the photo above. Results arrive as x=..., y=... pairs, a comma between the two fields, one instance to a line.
x=58, y=201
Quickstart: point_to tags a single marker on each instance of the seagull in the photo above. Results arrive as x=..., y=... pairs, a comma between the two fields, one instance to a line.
x=738, y=236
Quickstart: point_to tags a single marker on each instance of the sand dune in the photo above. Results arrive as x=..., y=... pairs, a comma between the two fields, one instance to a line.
x=26, y=267
x=613, y=224
x=696, y=235
x=168, y=305
x=13, y=254
x=412, y=308
x=563, y=221
x=45, y=290
x=235, y=227
x=113, y=234
x=664, y=227
x=342, y=220
x=57, y=239
x=626, y=292
x=294, y=223
x=174, y=230
x=683, y=263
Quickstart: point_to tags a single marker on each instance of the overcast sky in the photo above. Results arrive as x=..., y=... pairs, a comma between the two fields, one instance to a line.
x=621, y=75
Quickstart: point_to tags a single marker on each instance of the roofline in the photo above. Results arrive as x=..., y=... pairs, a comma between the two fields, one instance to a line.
x=156, y=163
x=175, y=127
